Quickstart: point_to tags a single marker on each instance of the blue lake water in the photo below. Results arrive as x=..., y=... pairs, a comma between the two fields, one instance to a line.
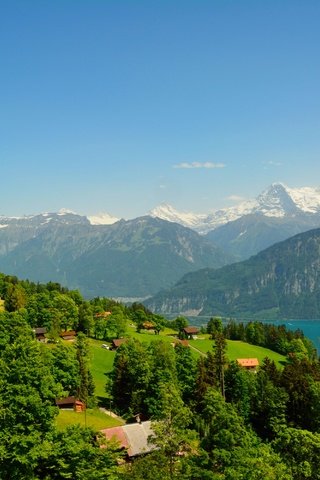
x=310, y=328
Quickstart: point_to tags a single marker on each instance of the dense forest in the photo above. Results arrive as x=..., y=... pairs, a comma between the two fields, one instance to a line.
x=211, y=418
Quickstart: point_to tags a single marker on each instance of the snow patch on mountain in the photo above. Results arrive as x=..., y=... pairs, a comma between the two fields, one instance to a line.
x=167, y=212
x=102, y=219
x=306, y=198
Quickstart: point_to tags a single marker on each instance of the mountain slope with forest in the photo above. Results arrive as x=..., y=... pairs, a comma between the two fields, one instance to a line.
x=280, y=282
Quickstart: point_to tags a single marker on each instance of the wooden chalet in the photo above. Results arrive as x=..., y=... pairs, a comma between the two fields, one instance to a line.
x=132, y=437
x=148, y=326
x=40, y=334
x=103, y=314
x=71, y=403
x=117, y=342
x=68, y=335
x=248, y=363
x=190, y=331
x=185, y=343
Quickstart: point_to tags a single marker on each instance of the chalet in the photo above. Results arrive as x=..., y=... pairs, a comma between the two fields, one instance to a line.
x=103, y=314
x=185, y=343
x=40, y=334
x=70, y=403
x=148, y=326
x=117, y=342
x=132, y=437
x=248, y=363
x=190, y=331
x=68, y=335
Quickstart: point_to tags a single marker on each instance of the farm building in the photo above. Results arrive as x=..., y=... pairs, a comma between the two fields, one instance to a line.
x=132, y=437
x=40, y=334
x=190, y=331
x=70, y=403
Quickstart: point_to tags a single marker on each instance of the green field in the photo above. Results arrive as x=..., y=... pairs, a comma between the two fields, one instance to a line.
x=237, y=349
x=101, y=362
x=93, y=418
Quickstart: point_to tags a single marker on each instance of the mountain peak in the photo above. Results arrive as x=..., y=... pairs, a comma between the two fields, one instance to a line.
x=102, y=218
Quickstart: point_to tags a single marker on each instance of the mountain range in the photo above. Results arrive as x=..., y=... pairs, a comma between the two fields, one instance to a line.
x=133, y=258
x=278, y=200
x=281, y=282
x=105, y=256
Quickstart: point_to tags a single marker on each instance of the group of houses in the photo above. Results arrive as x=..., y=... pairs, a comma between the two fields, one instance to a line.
x=41, y=334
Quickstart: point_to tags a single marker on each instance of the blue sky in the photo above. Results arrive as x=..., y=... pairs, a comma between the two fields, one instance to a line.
x=120, y=105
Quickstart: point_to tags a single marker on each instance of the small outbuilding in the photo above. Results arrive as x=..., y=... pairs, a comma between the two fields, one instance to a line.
x=190, y=331
x=117, y=342
x=40, y=334
x=70, y=403
x=68, y=335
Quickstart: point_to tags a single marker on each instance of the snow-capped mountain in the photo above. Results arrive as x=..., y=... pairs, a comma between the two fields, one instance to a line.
x=64, y=216
x=102, y=219
x=278, y=200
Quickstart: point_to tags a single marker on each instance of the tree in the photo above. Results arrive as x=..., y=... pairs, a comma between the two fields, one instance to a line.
x=170, y=431
x=300, y=450
x=186, y=372
x=234, y=450
x=220, y=359
x=86, y=385
x=214, y=326
x=27, y=397
x=131, y=377
x=75, y=454
x=179, y=324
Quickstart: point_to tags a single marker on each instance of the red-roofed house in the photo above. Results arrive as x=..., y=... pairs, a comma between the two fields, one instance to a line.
x=248, y=363
x=133, y=437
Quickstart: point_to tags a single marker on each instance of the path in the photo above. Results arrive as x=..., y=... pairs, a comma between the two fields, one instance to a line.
x=108, y=412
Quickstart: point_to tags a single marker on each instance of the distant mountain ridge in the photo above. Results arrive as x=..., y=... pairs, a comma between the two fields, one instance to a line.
x=134, y=258
x=280, y=282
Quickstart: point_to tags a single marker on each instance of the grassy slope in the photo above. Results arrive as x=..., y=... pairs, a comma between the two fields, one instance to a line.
x=102, y=362
x=92, y=418
x=237, y=349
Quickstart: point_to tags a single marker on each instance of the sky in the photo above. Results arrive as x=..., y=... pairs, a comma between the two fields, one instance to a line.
x=117, y=106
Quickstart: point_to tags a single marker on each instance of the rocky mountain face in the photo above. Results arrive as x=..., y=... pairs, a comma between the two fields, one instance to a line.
x=134, y=258
x=281, y=282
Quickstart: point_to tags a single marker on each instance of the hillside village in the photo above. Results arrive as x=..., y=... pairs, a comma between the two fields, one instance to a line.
x=112, y=391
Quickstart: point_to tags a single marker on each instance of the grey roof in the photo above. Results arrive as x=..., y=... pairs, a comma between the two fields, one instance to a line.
x=137, y=434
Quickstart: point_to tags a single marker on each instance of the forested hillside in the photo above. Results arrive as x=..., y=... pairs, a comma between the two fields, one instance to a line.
x=211, y=418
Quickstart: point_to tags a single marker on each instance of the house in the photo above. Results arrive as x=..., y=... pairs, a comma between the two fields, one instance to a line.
x=185, y=343
x=68, y=335
x=248, y=363
x=40, y=334
x=132, y=437
x=117, y=342
x=103, y=314
x=190, y=331
x=148, y=326
x=70, y=403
